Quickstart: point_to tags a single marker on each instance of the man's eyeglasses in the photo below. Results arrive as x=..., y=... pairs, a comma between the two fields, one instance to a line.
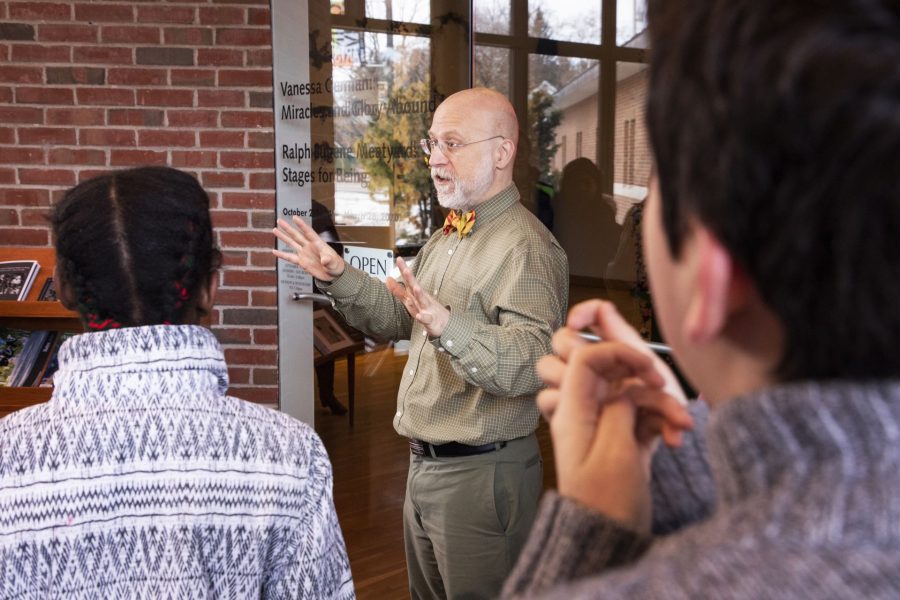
x=448, y=148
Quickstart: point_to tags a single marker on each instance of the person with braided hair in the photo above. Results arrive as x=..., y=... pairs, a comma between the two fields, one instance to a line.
x=140, y=477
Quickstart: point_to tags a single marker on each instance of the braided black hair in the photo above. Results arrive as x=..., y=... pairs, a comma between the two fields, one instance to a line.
x=135, y=247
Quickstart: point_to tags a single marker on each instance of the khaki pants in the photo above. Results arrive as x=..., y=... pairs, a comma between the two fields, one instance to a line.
x=465, y=519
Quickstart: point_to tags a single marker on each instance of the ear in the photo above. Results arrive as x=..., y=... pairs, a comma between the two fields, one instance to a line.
x=207, y=298
x=717, y=288
x=505, y=154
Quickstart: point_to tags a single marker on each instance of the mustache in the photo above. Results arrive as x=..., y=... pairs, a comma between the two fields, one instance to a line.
x=443, y=173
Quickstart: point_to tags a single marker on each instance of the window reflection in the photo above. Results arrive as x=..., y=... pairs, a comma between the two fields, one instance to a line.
x=410, y=11
x=491, y=16
x=631, y=23
x=565, y=21
x=492, y=68
x=383, y=104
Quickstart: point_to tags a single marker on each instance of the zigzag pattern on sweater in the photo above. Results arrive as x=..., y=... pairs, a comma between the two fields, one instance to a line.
x=140, y=478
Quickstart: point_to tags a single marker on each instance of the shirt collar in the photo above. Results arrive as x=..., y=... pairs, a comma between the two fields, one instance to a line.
x=494, y=206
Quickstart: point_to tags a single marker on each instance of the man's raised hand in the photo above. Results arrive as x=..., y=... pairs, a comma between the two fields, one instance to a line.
x=311, y=253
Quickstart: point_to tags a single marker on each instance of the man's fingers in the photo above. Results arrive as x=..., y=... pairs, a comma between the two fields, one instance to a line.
x=547, y=401
x=565, y=340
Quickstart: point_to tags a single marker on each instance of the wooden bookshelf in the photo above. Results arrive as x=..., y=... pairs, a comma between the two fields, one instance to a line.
x=32, y=314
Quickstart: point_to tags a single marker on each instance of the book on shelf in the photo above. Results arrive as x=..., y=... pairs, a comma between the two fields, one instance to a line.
x=48, y=292
x=16, y=277
x=27, y=356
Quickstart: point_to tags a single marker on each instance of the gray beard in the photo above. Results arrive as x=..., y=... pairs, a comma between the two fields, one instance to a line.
x=466, y=194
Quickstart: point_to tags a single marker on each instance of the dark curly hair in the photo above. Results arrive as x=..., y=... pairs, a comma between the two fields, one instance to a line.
x=776, y=124
x=135, y=247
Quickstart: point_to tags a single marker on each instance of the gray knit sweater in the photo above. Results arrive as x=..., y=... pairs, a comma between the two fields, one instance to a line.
x=807, y=479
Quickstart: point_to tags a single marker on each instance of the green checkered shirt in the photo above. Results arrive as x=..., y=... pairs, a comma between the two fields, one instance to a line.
x=507, y=286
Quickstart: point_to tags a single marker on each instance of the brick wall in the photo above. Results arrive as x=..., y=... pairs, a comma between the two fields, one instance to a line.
x=90, y=85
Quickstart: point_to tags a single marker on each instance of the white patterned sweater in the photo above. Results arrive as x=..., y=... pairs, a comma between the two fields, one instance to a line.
x=140, y=478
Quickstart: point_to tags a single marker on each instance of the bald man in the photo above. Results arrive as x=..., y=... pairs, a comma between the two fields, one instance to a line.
x=479, y=303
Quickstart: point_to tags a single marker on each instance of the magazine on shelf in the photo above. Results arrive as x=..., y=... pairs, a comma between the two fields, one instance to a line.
x=25, y=356
x=53, y=363
x=12, y=345
x=16, y=277
x=48, y=292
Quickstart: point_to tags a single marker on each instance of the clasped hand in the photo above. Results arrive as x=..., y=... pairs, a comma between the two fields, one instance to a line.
x=608, y=403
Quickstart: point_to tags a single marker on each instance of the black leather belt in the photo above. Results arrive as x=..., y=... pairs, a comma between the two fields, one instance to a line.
x=420, y=448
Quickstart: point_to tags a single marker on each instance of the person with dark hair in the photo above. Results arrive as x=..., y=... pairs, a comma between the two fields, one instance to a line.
x=770, y=242
x=140, y=477
x=479, y=305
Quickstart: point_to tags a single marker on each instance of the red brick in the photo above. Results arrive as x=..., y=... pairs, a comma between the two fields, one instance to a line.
x=193, y=118
x=237, y=375
x=262, y=220
x=44, y=95
x=220, y=98
x=262, y=298
x=226, y=297
x=106, y=137
x=105, y=96
x=76, y=75
x=15, y=74
x=127, y=158
x=259, y=16
x=189, y=158
x=219, y=57
x=24, y=197
x=16, y=31
x=67, y=33
x=234, y=258
x=243, y=37
x=187, y=36
x=76, y=116
x=103, y=55
x=194, y=77
x=222, y=139
x=259, y=58
x=165, y=56
x=6, y=95
x=249, y=356
x=7, y=175
x=104, y=13
x=76, y=156
x=146, y=117
x=137, y=76
x=265, y=259
x=22, y=155
x=265, y=376
x=248, y=160
x=85, y=174
x=18, y=236
x=8, y=216
x=245, y=239
x=262, y=181
x=261, y=99
x=261, y=139
x=245, y=77
x=47, y=176
x=247, y=119
x=248, y=200
x=165, y=98
x=232, y=335
x=222, y=15
x=130, y=34
x=234, y=179
x=35, y=217
x=39, y=11
x=167, y=138
x=166, y=14
x=9, y=114
x=7, y=135
x=42, y=54
x=46, y=135
x=229, y=218
x=265, y=337
x=257, y=395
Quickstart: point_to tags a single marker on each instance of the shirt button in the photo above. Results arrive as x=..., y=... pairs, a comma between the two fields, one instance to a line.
x=474, y=369
x=329, y=293
x=424, y=333
x=411, y=372
x=449, y=343
x=435, y=292
x=441, y=350
x=399, y=414
x=450, y=251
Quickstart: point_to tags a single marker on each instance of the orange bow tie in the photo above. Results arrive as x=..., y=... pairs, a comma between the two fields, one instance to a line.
x=461, y=222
